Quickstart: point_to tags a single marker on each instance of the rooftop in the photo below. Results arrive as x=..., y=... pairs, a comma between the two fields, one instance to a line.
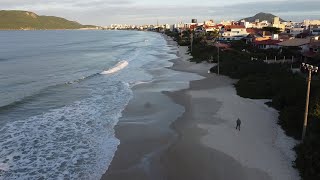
x=296, y=42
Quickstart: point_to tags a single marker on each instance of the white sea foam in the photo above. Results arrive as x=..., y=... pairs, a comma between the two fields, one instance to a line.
x=120, y=65
x=72, y=142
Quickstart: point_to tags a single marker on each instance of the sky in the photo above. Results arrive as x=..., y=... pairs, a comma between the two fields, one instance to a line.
x=106, y=12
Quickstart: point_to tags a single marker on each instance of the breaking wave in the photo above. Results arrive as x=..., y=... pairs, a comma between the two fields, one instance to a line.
x=73, y=142
x=120, y=65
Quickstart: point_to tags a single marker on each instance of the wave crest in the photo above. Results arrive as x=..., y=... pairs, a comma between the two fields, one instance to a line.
x=120, y=65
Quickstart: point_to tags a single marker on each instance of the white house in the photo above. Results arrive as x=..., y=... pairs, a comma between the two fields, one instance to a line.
x=233, y=32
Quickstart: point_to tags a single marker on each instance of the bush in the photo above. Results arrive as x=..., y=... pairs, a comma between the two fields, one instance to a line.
x=308, y=159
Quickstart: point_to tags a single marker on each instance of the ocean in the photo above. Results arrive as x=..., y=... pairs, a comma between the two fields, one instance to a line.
x=62, y=93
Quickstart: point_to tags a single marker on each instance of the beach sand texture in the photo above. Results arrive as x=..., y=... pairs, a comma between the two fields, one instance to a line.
x=195, y=138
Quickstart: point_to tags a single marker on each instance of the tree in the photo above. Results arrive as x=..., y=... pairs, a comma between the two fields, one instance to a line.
x=212, y=34
x=291, y=51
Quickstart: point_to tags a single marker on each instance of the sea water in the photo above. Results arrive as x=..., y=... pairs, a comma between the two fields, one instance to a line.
x=61, y=95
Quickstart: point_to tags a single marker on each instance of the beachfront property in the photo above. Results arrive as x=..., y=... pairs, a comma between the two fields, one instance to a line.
x=233, y=32
x=292, y=34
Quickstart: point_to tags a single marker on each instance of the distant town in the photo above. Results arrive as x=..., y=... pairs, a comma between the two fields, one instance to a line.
x=263, y=34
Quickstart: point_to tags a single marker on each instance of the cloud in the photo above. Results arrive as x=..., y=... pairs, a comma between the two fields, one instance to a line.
x=104, y=12
x=61, y=4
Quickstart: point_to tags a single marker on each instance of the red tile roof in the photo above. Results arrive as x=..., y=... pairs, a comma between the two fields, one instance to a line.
x=206, y=26
x=193, y=26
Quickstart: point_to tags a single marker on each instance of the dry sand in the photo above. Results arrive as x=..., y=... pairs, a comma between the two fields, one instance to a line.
x=159, y=141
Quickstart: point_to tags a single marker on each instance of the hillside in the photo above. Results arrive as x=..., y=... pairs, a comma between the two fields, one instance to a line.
x=262, y=16
x=12, y=20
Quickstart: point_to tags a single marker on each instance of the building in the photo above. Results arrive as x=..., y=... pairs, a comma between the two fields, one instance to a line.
x=233, y=32
x=226, y=23
x=258, y=35
x=167, y=26
x=209, y=23
x=212, y=28
x=314, y=29
x=277, y=24
x=194, y=21
x=302, y=43
x=295, y=31
x=267, y=44
x=313, y=53
x=311, y=22
x=256, y=24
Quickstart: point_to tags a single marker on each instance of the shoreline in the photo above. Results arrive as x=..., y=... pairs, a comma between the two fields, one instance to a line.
x=270, y=155
x=191, y=148
x=189, y=158
x=144, y=128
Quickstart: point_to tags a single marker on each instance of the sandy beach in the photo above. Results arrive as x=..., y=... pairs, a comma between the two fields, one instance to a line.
x=182, y=126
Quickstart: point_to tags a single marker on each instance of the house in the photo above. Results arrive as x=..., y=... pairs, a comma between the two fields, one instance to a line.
x=315, y=47
x=285, y=36
x=303, y=43
x=233, y=32
x=257, y=35
x=256, y=24
x=314, y=50
x=295, y=31
x=231, y=38
x=267, y=44
x=210, y=28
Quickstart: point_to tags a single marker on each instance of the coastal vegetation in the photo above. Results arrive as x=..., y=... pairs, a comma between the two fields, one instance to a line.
x=25, y=20
x=287, y=91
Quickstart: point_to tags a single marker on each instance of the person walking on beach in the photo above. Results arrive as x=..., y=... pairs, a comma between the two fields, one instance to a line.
x=238, y=124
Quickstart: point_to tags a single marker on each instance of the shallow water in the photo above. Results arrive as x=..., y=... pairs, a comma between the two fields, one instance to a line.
x=57, y=109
